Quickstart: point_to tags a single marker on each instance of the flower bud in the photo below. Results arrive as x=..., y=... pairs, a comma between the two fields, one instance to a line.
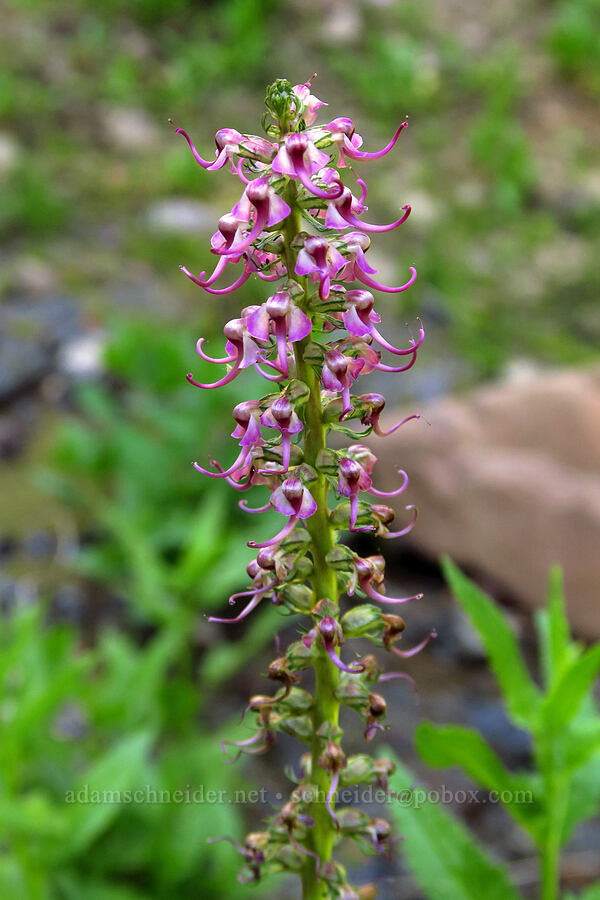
x=266, y=557
x=372, y=668
x=361, y=620
x=279, y=671
x=299, y=727
x=383, y=514
x=300, y=656
x=333, y=758
x=298, y=597
x=297, y=701
x=253, y=568
x=359, y=768
x=327, y=462
x=257, y=191
x=352, y=820
x=324, y=608
x=353, y=693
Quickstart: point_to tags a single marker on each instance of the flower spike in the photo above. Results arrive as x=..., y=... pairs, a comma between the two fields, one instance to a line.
x=297, y=227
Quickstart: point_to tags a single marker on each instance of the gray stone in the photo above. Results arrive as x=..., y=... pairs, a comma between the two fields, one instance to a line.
x=30, y=335
x=507, y=481
x=179, y=216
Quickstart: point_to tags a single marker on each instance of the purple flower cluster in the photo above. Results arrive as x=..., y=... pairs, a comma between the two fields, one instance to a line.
x=299, y=227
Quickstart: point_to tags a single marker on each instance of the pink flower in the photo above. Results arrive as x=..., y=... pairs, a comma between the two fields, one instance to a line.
x=261, y=201
x=299, y=158
x=281, y=415
x=229, y=144
x=343, y=212
x=291, y=499
x=247, y=417
x=321, y=260
x=348, y=141
x=361, y=319
x=357, y=268
x=309, y=102
x=281, y=315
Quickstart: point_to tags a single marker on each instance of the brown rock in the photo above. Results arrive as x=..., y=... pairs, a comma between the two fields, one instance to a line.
x=507, y=481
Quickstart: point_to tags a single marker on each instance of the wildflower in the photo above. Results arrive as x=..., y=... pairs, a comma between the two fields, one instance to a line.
x=361, y=319
x=355, y=245
x=370, y=570
x=299, y=158
x=246, y=414
x=343, y=211
x=291, y=499
x=374, y=405
x=349, y=142
x=321, y=260
x=281, y=415
x=287, y=321
x=261, y=201
x=310, y=103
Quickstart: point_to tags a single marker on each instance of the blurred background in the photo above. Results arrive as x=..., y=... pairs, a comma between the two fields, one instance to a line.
x=112, y=548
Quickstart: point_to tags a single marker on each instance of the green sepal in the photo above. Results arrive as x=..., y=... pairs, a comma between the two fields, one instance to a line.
x=299, y=727
x=329, y=731
x=298, y=597
x=361, y=620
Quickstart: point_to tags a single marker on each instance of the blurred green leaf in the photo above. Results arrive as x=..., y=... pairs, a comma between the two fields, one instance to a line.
x=115, y=772
x=449, y=746
x=569, y=690
x=446, y=862
x=520, y=693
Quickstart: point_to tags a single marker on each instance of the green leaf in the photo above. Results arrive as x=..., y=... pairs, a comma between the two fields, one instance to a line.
x=581, y=743
x=442, y=856
x=569, y=690
x=584, y=797
x=553, y=630
x=456, y=746
x=559, y=625
x=92, y=809
x=520, y=693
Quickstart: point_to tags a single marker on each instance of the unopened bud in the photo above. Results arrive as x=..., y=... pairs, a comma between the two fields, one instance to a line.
x=297, y=597
x=358, y=768
x=361, y=620
x=332, y=758
x=299, y=727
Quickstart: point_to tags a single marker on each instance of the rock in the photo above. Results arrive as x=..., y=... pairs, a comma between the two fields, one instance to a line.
x=82, y=356
x=130, y=129
x=30, y=335
x=9, y=153
x=33, y=276
x=179, y=216
x=507, y=481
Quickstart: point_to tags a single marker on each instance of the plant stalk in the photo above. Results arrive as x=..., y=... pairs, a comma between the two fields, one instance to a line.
x=321, y=835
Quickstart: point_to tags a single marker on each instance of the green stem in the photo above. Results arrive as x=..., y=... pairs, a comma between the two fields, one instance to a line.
x=324, y=582
x=558, y=791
